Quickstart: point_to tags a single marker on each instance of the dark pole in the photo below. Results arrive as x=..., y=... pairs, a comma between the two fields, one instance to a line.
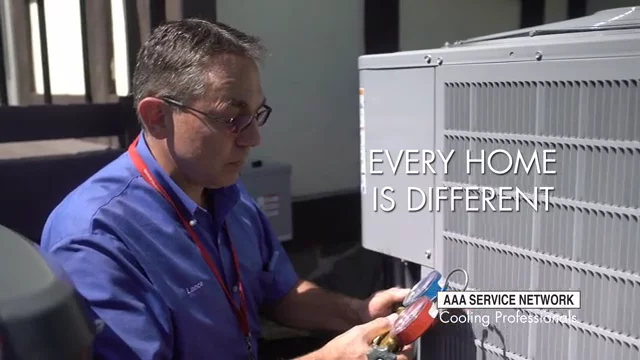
x=133, y=35
x=576, y=8
x=532, y=13
x=4, y=97
x=381, y=26
x=205, y=10
x=158, y=12
x=44, y=50
x=85, y=52
x=133, y=45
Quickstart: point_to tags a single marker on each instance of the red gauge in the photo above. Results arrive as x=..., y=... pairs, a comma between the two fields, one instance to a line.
x=414, y=321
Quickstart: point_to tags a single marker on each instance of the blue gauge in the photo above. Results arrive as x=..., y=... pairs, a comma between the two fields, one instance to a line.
x=428, y=286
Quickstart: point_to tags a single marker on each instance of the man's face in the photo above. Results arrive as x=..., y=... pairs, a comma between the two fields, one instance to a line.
x=209, y=152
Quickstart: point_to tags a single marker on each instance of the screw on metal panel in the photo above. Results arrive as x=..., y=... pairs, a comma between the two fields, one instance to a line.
x=440, y=61
x=538, y=55
x=428, y=254
x=428, y=59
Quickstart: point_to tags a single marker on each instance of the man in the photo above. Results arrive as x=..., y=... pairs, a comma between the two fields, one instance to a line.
x=172, y=255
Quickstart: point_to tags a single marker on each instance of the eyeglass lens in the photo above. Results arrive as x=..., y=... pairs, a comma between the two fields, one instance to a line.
x=242, y=121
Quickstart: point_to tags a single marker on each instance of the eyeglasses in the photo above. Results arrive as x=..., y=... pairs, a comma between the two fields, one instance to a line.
x=235, y=124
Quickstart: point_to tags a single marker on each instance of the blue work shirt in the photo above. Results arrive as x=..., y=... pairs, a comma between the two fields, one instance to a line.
x=131, y=258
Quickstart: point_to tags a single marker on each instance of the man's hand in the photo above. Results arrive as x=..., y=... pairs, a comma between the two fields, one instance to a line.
x=310, y=307
x=381, y=304
x=356, y=343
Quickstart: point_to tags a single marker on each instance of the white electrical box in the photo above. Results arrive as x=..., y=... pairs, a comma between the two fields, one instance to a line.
x=269, y=184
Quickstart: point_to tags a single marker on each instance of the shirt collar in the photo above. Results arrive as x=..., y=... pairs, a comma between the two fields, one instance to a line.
x=223, y=199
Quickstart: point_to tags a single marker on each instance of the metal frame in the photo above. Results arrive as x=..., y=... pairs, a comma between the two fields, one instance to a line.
x=19, y=60
x=97, y=47
x=50, y=122
x=100, y=112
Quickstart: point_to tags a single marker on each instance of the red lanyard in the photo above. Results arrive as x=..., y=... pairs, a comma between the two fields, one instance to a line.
x=240, y=313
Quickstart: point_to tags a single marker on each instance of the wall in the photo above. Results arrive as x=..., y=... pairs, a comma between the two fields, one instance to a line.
x=429, y=24
x=311, y=81
x=556, y=10
x=597, y=5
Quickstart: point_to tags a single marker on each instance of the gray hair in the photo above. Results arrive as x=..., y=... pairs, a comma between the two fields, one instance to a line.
x=176, y=57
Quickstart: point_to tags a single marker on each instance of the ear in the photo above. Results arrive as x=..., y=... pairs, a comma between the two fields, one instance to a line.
x=153, y=113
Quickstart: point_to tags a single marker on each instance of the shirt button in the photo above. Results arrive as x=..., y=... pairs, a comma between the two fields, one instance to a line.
x=235, y=288
x=193, y=222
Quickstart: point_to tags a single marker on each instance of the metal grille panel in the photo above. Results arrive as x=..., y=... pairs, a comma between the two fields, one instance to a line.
x=612, y=108
x=588, y=240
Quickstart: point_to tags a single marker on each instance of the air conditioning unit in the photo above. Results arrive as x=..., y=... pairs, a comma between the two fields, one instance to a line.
x=567, y=91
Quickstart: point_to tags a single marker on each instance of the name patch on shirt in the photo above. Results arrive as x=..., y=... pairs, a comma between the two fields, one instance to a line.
x=191, y=290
